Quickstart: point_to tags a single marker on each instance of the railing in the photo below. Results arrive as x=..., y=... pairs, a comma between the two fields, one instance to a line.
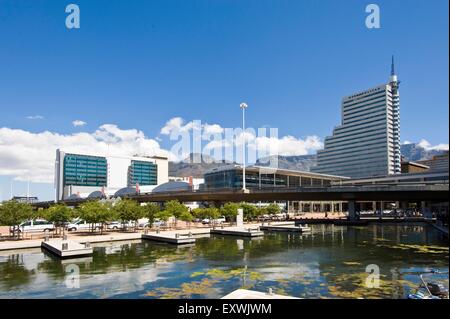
x=407, y=186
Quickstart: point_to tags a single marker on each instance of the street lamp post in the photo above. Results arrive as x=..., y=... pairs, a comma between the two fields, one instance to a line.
x=243, y=106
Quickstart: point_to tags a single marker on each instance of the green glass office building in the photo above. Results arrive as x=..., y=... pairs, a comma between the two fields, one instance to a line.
x=84, y=170
x=142, y=173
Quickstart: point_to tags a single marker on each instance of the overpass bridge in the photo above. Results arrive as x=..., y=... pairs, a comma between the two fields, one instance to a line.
x=412, y=193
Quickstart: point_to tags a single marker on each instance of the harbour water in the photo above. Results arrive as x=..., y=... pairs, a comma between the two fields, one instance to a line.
x=330, y=262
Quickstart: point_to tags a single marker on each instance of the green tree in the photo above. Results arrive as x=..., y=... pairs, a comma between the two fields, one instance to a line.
x=58, y=214
x=273, y=209
x=128, y=210
x=176, y=209
x=250, y=211
x=230, y=210
x=260, y=211
x=212, y=213
x=199, y=213
x=95, y=212
x=12, y=213
x=163, y=215
x=150, y=211
x=187, y=217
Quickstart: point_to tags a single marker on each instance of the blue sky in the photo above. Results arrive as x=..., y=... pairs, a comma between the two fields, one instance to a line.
x=137, y=64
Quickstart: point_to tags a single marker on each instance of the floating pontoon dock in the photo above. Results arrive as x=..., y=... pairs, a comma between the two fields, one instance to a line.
x=238, y=231
x=286, y=228
x=67, y=248
x=171, y=238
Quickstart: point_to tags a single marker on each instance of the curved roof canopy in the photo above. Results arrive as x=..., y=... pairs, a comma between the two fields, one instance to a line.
x=172, y=186
x=125, y=191
x=74, y=196
x=96, y=194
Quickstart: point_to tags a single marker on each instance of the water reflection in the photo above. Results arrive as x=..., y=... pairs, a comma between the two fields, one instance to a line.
x=328, y=263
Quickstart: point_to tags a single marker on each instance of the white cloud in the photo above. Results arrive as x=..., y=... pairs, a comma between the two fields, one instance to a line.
x=176, y=125
x=212, y=129
x=27, y=155
x=35, y=117
x=288, y=145
x=427, y=146
x=220, y=143
x=78, y=123
x=30, y=155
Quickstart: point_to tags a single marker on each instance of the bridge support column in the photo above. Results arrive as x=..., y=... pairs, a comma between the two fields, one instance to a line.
x=425, y=210
x=352, y=210
x=381, y=210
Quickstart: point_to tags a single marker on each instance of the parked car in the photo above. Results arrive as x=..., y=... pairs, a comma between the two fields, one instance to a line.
x=119, y=225
x=156, y=223
x=114, y=225
x=37, y=225
x=216, y=221
x=80, y=224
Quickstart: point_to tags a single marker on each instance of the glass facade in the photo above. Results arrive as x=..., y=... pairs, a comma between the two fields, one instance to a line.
x=367, y=141
x=83, y=170
x=142, y=173
x=232, y=178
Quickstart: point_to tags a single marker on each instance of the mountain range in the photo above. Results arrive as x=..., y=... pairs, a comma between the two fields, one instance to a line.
x=196, y=165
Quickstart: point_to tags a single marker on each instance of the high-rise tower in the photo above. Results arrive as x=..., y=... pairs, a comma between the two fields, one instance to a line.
x=367, y=143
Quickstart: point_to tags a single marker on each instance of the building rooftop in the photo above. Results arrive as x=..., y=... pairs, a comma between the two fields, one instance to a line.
x=272, y=170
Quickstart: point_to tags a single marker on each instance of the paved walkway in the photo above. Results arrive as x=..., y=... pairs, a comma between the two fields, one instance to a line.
x=83, y=237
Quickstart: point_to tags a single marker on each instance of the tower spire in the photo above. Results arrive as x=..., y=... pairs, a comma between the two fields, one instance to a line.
x=392, y=66
x=393, y=77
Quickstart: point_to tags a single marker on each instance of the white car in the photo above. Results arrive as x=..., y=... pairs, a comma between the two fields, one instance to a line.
x=215, y=221
x=114, y=225
x=37, y=225
x=80, y=224
x=156, y=223
x=119, y=225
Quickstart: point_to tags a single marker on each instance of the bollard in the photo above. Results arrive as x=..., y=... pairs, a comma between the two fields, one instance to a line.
x=177, y=235
x=157, y=230
x=146, y=231
x=87, y=244
x=190, y=234
x=270, y=291
x=65, y=246
x=65, y=237
x=46, y=238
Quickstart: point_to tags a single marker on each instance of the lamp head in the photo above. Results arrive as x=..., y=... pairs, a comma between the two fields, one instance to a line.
x=243, y=105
